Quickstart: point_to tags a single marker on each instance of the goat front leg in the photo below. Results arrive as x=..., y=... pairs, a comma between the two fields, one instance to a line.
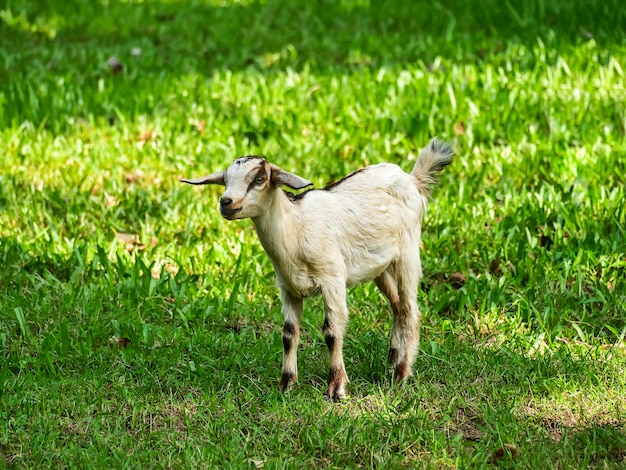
x=335, y=321
x=292, y=312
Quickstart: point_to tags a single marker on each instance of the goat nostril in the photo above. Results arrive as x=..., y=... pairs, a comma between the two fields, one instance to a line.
x=225, y=201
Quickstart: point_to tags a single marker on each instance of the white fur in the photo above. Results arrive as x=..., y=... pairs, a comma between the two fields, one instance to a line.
x=365, y=227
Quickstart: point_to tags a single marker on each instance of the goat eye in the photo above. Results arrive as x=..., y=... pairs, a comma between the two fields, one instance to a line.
x=259, y=180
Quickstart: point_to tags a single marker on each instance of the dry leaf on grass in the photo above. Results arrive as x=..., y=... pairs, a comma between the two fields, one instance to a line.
x=130, y=241
x=199, y=125
x=459, y=128
x=457, y=280
x=504, y=450
x=110, y=200
x=494, y=267
x=147, y=136
x=134, y=176
x=257, y=463
x=115, y=64
x=119, y=342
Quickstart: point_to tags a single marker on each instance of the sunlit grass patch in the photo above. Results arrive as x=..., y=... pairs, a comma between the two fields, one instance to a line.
x=139, y=328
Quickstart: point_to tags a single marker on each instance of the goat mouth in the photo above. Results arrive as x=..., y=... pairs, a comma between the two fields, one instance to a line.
x=229, y=213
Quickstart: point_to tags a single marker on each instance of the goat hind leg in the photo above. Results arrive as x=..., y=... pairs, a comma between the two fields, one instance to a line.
x=387, y=284
x=406, y=326
x=292, y=312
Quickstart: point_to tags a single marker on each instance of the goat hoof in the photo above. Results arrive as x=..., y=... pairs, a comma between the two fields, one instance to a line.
x=287, y=381
x=336, y=398
x=401, y=372
x=398, y=379
x=335, y=394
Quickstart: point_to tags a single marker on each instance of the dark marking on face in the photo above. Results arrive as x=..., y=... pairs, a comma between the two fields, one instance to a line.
x=285, y=379
x=262, y=173
x=289, y=329
x=330, y=341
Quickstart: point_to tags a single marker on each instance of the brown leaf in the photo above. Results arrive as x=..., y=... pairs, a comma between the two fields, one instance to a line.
x=172, y=269
x=110, y=200
x=130, y=241
x=115, y=65
x=155, y=272
x=459, y=128
x=494, y=267
x=127, y=237
x=148, y=135
x=134, y=176
x=119, y=341
x=545, y=241
x=257, y=463
x=199, y=125
x=457, y=280
x=504, y=450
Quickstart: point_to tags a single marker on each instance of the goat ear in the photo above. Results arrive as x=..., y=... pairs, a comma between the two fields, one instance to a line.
x=214, y=178
x=280, y=177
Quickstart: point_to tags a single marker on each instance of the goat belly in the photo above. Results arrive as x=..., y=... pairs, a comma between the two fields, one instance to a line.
x=370, y=264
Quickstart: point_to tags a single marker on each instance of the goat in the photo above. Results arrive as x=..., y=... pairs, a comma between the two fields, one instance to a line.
x=365, y=226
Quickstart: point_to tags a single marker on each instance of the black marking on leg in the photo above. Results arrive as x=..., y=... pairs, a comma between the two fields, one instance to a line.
x=326, y=325
x=393, y=355
x=289, y=328
x=286, y=343
x=330, y=341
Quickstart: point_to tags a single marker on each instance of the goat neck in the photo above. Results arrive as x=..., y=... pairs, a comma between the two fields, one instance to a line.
x=277, y=226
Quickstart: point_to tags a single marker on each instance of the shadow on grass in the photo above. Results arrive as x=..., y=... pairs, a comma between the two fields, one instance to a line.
x=183, y=372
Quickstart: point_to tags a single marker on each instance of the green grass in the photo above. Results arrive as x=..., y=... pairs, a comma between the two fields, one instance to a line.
x=524, y=296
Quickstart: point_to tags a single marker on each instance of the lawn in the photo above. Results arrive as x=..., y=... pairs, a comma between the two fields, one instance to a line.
x=140, y=329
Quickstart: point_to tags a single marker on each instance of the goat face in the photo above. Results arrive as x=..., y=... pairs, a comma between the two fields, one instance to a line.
x=250, y=182
x=247, y=189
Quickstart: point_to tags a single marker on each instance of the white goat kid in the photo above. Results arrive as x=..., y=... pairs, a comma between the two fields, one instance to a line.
x=363, y=227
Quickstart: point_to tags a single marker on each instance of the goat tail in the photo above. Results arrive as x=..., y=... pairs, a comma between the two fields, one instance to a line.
x=431, y=161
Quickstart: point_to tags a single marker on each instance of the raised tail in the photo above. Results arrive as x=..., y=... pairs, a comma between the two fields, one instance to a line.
x=432, y=160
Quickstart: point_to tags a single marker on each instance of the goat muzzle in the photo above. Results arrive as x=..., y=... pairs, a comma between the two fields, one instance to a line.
x=226, y=208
